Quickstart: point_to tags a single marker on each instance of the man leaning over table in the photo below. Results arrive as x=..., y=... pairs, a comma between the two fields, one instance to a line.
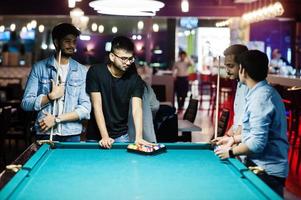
x=263, y=139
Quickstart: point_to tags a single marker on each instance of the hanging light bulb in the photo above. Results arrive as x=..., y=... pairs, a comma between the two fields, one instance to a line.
x=185, y=6
x=71, y=3
x=41, y=28
x=2, y=28
x=23, y=29
x=94, y=27
x=155, y=27
x=34, y=23
x=114, y=29
x=140, y=25
x=13, y=27
x=29, y=26
x=79, y=19
x=101, y=28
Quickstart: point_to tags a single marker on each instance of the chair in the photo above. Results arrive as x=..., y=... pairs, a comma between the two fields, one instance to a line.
x=223, y=122
x=190, y=115
x=18, y=125
x=166, y=124
x=192, y=109
x=227, y=91
x=14, y=91
x=160, y=92
x=291, y=99
x=168, y=130
x=4, y=124
x=21, y=129
x=206, y=88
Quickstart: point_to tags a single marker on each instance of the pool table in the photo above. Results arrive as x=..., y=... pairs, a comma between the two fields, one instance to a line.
x=85, y=171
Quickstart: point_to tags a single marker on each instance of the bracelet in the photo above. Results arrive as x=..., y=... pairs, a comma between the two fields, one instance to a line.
x=48, y=97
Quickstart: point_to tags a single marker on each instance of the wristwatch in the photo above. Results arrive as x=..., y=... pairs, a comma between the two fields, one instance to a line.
x=231, y=155
x=57, y=120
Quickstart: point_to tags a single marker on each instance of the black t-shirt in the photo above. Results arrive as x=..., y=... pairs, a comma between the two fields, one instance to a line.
x=116, y=94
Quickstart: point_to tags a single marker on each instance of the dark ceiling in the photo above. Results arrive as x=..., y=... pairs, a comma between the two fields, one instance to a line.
x=200, y=8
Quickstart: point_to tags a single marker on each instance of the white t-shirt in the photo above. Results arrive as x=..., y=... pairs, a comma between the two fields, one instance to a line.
x=180, y=68
x=62, y=71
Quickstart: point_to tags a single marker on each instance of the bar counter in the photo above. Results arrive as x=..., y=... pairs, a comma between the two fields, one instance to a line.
x=14, y=74
x=284, y=80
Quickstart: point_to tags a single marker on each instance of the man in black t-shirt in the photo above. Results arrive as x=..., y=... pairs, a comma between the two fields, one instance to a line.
x=111, y=87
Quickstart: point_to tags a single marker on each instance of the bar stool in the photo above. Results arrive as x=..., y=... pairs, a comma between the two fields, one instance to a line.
x=190, y=115
x=291, y=98
x=5, y=118
x=294, y=96
x=288, y=106
x=206, y=88
x=166, y=124
x=223, y=122
x=227, y=94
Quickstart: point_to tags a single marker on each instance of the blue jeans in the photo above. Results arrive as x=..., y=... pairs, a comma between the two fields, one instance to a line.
x=71, y=138
x=121, y=139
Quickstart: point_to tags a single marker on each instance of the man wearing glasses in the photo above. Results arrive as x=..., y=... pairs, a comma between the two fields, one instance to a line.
x=111, y=87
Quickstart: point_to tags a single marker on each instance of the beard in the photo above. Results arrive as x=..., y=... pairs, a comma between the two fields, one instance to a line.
x=121, y=67
x=68, y=53
x=231, y=76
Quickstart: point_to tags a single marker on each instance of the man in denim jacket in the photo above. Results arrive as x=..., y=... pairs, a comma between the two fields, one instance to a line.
x=56, y=89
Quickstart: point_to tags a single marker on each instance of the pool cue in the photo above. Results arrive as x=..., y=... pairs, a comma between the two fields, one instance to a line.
x=217, y=98
x=54, y=109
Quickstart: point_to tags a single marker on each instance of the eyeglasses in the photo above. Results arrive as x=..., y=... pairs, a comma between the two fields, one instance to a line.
x=125, y=59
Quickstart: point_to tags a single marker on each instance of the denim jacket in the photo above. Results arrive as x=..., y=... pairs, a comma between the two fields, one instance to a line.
x=76, y=98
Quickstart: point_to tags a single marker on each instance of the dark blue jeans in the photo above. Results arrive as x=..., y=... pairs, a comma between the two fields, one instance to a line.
x=275, y=183
x=181, y=89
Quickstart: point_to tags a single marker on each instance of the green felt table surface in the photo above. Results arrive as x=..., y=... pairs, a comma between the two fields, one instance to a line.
x=85, y=171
